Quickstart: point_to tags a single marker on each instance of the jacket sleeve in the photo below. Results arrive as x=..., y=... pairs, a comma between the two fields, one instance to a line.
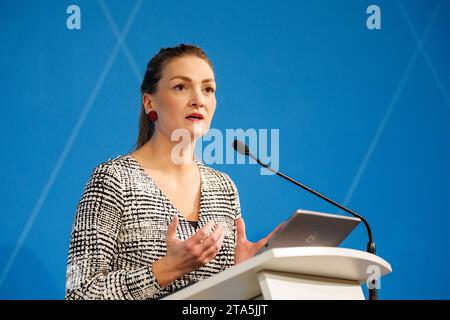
x=235, y=200
x=93, y=245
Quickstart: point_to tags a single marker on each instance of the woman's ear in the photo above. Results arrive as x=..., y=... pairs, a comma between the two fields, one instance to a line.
x=147, y=102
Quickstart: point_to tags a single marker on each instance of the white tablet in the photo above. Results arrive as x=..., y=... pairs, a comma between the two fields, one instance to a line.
x=312, y=229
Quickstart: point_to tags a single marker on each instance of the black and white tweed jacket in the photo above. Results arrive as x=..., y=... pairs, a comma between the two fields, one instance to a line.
x=120, y=228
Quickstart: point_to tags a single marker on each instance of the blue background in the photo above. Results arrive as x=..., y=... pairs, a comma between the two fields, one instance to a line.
x=363, y=117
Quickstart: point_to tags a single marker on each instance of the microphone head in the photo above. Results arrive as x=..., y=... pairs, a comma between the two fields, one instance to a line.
x=240, y=147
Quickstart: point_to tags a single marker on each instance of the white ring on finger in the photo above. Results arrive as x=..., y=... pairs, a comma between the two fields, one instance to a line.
x=201, y=241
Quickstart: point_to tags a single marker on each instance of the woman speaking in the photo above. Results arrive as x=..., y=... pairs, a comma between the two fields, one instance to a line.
x=148, y=224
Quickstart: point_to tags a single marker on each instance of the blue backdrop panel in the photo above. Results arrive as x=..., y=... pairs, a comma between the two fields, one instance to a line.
x=363, y=117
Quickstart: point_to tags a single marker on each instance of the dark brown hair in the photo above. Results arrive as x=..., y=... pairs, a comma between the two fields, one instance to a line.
x=152, y=76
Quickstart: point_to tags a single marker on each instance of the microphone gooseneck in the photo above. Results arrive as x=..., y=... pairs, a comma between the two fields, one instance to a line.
x=242, y=149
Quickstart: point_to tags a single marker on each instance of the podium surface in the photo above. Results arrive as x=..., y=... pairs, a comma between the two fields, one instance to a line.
x=291, y=273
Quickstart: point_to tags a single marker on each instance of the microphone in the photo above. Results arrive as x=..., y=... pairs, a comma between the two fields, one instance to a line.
x=242, y=149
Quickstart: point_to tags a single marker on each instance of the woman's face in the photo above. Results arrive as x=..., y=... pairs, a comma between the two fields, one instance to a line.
x=187, y=86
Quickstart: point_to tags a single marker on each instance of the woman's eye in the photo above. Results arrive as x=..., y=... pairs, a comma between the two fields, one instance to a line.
x=179, y=87
x=210, y=89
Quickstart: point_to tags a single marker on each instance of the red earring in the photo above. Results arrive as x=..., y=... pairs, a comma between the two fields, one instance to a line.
x=152, y=116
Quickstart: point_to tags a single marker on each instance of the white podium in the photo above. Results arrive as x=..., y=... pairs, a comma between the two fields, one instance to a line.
x=299, y=273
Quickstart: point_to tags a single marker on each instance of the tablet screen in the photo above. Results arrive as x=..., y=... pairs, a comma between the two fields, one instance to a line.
x=312, y=229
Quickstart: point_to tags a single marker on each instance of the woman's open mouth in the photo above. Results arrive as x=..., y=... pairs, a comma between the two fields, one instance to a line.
x=195, y=117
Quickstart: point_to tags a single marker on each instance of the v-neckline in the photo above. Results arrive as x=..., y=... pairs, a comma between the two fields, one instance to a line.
x=152, y=181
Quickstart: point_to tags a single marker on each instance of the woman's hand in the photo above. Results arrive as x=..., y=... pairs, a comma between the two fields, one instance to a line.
x=185, y=256
x=245, y=249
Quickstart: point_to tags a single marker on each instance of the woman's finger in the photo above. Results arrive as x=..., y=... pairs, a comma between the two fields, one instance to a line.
x=213, y=237
x=214, y=246
x=203, y=233
x=270, y=235
x=240, y=229
x=261, y=243
x=172, y=229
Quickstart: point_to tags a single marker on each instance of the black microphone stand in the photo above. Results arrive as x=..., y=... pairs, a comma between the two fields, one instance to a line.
x=370, y=245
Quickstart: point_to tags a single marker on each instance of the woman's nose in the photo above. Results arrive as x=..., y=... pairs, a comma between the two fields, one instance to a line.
x=197, y=99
